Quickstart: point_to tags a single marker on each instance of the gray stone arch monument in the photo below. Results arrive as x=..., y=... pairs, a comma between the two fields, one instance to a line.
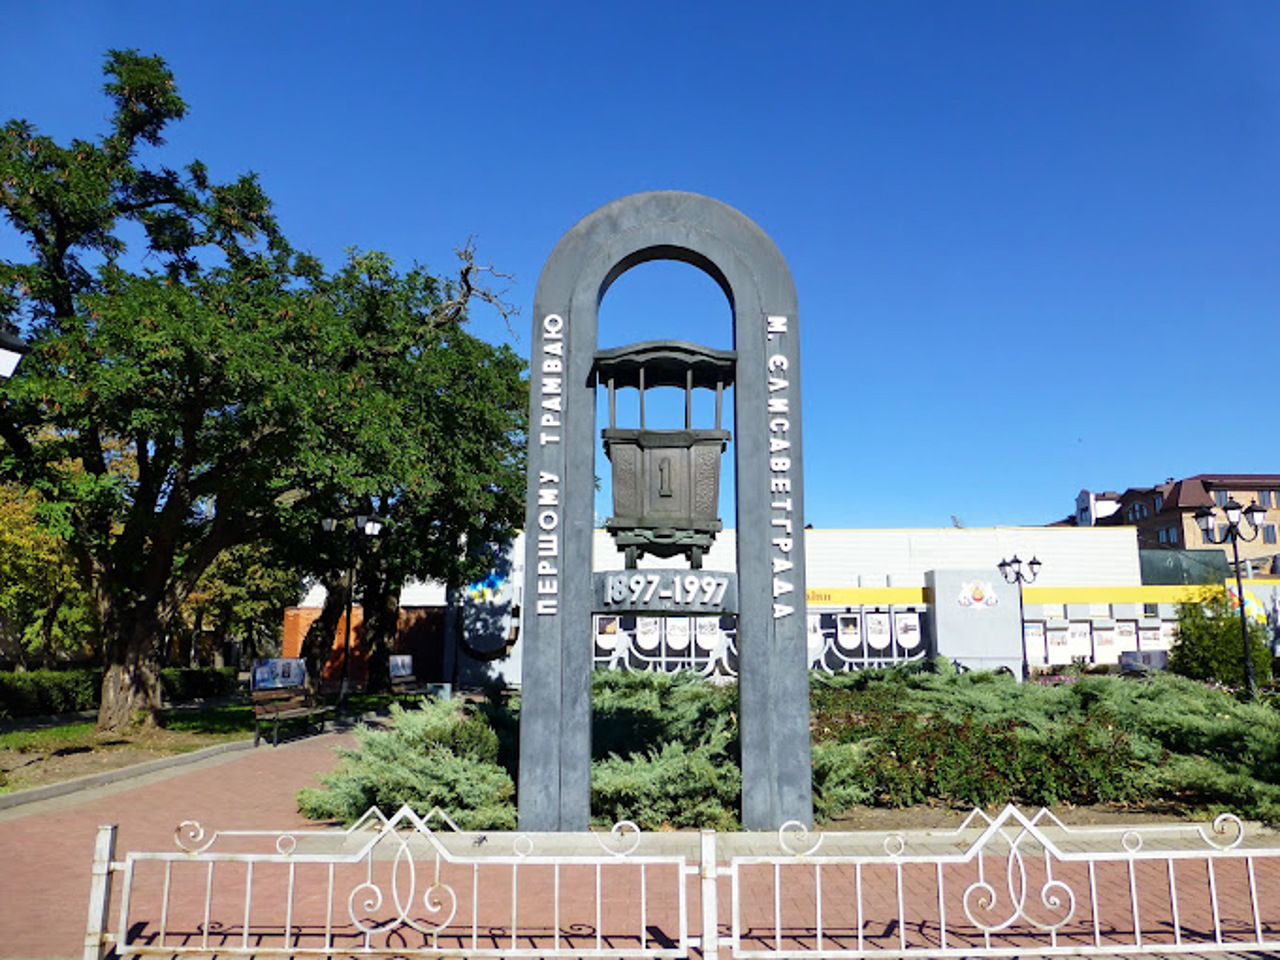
x=560, y=593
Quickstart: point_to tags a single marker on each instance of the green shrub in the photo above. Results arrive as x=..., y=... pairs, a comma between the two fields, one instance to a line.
x=184, y=684
x=666, y=749
x=436, y=755
x=676, y=786
x=639, y=713
x=837, y=778
x=978, y=739
x=36, y=693
x=1210, y=646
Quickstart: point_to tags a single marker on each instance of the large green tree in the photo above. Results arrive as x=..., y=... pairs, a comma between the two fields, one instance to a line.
x=211, y=387
x=436, y=452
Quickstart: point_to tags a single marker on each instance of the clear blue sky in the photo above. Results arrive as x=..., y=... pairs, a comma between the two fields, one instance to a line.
x=1037, y=245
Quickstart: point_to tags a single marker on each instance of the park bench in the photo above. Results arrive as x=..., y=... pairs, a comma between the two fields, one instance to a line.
x=280, y=694
x=405, y=685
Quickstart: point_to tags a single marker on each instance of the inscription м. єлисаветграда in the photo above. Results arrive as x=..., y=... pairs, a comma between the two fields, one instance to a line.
x=780, y=471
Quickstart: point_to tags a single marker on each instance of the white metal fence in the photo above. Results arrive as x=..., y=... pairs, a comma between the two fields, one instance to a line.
x=1009, y=885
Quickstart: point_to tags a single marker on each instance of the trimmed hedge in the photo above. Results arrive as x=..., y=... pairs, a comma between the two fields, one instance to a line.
x=41, y=693
x=38, y=693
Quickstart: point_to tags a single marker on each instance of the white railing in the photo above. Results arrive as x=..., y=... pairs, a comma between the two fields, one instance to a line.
x=392, y=887
x=1011, y=885
x=404, y=886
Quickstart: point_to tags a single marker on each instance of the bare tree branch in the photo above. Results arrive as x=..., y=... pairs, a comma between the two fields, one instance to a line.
x=472, y=284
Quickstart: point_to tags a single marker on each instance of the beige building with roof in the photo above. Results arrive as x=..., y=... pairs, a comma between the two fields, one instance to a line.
x=1165, y=515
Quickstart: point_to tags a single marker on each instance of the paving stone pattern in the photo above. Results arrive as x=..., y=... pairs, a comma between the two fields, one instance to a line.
x=46, y=850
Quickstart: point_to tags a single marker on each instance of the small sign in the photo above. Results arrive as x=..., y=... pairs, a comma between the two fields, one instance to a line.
x=906, y=627
x=1126, y=635
x=849, y=630
x=678, y=633
x=279, y=673
x=401, y=665
x=878, y=636
x=1033, y=634
x=1080, y=640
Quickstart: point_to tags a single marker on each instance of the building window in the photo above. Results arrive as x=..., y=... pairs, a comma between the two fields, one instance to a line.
x=1268, y=533
x=1266, y=498
x=1164, y=535
x=1159, y=502
x=1220, y=497
x=1204, y=537
x=1173, y=534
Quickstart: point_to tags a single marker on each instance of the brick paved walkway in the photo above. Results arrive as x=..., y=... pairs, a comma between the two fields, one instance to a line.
x=46, y=850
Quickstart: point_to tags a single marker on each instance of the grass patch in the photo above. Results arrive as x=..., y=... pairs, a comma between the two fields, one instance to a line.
x=48, y=739
x=219, y=721
x=38, y=757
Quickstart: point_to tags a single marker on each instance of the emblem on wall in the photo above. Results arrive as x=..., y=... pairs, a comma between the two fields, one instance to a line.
x=978, y=593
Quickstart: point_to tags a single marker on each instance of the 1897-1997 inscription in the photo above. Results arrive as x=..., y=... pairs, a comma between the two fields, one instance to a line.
x=677, y=591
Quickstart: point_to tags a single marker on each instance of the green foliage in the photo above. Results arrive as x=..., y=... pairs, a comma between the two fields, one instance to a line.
x=183, y=684
x=637, y=713
x=666, y=750
x=666, y=756
x=212, y=388
x=675, y=786
x=44, y=612
x=437, y=755
x=977, y=739
x=1210, y=645
x=837, y=778
x=40, y=693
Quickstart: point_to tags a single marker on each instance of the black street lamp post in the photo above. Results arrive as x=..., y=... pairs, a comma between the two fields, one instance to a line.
x=1012, y=572
x=1254, y=515
x=367, y=526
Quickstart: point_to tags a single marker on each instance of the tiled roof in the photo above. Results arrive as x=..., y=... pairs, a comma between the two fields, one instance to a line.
x=1238, y=479
x=1187, y=494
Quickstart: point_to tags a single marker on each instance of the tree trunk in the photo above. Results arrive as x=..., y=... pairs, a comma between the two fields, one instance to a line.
x=381, y=617
x=317, y=646
x=131, y=684
x=47, y=623
x=130, y=695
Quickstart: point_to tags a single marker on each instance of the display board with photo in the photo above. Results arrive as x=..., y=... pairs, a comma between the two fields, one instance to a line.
x=279, y=673
x=1033, y=635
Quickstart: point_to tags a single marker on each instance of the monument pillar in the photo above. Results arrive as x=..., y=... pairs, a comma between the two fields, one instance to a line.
x=559, y=599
